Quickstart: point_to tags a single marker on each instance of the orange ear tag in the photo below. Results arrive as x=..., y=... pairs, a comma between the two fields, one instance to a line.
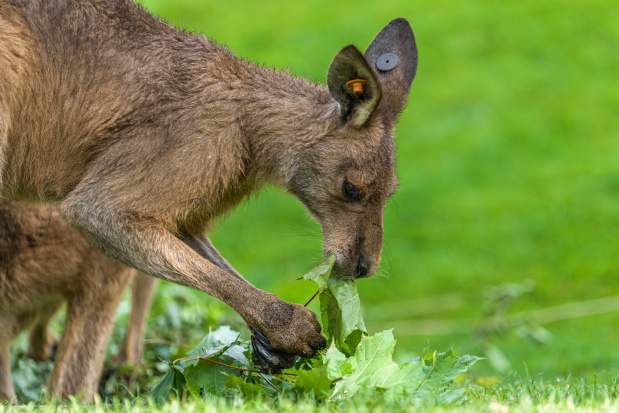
x=356, y=85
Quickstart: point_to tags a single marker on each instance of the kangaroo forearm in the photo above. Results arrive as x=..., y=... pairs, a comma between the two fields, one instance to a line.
x=143, y=244
x=203, y=246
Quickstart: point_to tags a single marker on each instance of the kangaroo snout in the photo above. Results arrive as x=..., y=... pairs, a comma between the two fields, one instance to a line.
x=363, y=267
x=356, y=261
x=356, y=239
x=360, y=266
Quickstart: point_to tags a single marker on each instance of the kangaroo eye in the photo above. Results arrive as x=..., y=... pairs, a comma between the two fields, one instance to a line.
x=350, y=192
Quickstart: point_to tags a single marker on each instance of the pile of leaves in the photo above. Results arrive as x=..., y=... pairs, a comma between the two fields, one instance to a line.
x=355, y=362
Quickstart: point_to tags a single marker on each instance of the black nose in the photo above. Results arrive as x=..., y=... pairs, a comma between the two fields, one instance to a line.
x=362, y=267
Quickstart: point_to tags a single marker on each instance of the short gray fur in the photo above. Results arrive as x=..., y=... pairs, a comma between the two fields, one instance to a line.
x=397, y=38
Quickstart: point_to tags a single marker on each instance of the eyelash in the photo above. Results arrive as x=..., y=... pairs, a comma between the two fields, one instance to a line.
x=350, y=192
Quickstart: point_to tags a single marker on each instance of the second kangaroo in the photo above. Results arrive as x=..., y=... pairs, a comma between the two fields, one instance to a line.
x=144, y=134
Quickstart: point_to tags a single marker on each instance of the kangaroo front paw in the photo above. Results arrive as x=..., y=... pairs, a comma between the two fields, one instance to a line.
x=286, y=332
x=267, y=359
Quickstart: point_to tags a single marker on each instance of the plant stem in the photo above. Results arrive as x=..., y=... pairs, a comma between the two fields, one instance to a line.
x=269, y=381
x=310, y=300
x=285, y=379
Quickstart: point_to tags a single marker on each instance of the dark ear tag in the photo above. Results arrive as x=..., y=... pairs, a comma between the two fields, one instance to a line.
x=387, y=61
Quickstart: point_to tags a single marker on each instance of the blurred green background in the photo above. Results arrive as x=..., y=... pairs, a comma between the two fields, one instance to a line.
x=508, y=159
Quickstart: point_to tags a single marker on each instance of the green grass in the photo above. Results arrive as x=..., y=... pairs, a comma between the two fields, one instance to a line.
x=508, y=159
x=512, y=394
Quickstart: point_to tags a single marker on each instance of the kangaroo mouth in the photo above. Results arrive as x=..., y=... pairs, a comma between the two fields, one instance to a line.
x=352, y=270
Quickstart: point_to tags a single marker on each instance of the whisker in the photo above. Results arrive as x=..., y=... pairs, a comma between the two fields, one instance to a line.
x=389, y=259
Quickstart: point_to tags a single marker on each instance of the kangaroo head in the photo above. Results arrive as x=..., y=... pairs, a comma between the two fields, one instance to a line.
x=347, y=177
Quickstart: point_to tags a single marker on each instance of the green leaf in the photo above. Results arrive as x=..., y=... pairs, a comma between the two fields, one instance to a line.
x=337, y=363
x=373, y=355
x=372, y=367
x=235, y=354
x=207, y=376
x=340, y=307
x=353, y=364
x=248, y=390
x=204, y=375
x=221, y=345
x=316, y=380
x=443, y=368
x=401, y=378
x=222, y=336
x=341, y=314
x=320, y=273
x=173, y=380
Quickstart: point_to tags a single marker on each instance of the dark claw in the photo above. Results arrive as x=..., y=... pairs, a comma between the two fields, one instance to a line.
x=52, y=351
x=269, y=360
x=262, y=339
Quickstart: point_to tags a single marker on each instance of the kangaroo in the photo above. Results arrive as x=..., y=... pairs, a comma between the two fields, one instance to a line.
x=43, y=264
x=144, y=134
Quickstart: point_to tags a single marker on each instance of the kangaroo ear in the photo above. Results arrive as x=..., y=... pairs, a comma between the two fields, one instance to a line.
x=352, y=84
x=393, y=54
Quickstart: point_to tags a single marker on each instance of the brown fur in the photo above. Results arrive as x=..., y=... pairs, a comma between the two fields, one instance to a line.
x=43, y=263
x=144, y=134
x=142, y=290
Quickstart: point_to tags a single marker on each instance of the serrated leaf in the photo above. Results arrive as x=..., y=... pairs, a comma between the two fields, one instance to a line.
x=225, y=348
x=320, y=273
x=207, y=376
x=445, y=368
x=173, y=380
x=402, y=378
x=373, y=354
x=235, y=354
x=373, y=367
x=224, y=335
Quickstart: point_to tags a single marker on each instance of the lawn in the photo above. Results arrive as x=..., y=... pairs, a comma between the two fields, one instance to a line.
x=515, y=396
x=508, y=160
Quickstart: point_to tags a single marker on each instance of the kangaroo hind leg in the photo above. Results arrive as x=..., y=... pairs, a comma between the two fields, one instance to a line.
x=90, y=315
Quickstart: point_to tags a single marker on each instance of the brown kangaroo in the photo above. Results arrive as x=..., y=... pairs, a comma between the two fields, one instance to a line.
x=44, y=263
x=144, y=134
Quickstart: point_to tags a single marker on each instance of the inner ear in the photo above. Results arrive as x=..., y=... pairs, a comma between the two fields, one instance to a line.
x=353, y=84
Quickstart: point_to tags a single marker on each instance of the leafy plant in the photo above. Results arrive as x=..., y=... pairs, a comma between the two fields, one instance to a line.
x=355, y=363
